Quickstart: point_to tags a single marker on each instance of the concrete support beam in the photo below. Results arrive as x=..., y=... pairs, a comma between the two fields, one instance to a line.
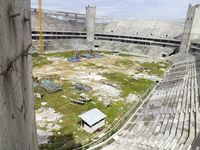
x=17, y=117
x=90, y=25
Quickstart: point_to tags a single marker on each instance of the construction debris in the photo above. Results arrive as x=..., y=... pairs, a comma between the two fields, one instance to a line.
x=132, y=98
x=37, y=95
x=107, y=103
x=44, y=103
x=78, y=102
x=47, y=120
x=85, y=96
x=146, y=76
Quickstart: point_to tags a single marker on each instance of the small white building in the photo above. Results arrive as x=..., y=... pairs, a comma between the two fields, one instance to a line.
x=92, y=120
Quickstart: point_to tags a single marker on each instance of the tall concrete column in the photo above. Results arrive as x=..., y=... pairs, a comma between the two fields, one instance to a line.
x=192, y=28
x=17, y=117
x=90, y=25
x=187, y=29
x=76, y=17
x=195, y=32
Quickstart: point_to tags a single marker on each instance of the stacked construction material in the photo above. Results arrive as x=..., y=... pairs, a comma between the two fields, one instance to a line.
x=50, y=86
x=82, y=87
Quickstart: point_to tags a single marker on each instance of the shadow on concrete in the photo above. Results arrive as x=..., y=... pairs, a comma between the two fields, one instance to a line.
x=61, y=142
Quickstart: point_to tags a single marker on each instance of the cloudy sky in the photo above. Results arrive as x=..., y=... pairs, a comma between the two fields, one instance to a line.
x=150, y=9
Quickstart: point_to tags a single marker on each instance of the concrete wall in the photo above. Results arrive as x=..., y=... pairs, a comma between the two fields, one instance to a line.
x=90, y=25
x=17, y=118
x=95, y=127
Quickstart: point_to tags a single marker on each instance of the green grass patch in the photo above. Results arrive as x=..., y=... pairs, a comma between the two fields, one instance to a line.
x=66, y=54
x=128, y=84
x=157, y=68
x=125, y=55
x=126, y=62
x=93, y=65
x=39, y=60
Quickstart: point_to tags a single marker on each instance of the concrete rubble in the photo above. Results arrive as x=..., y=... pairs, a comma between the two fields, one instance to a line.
x=47, y=121
x=103, y=90
x=132, y=98
x=146, y=76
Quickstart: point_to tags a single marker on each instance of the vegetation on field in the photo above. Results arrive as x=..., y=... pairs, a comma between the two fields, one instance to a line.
x=71, y=121
x=39, y=60
x=128, y=84
x=66, y=54
x=155, y=68
x=126, y=62
x=93, y=65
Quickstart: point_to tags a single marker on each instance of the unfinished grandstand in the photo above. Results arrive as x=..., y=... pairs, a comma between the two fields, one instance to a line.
x=167, y=117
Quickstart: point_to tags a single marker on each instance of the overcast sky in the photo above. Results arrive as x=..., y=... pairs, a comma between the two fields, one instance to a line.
x=151, y=9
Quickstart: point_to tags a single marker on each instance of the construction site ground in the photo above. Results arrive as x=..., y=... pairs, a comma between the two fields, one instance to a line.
x=111, y=78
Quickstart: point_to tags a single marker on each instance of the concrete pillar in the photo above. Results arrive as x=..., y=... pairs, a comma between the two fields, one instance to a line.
x=90, y=25
x=192, y=28
x=76, y=17
x=187, y=29
x=17, y=117
x=195, y=32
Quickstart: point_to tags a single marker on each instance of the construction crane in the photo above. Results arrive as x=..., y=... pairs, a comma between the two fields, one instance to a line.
x=40, y=27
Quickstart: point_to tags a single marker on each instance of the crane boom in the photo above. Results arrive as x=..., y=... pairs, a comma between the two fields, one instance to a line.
x=40, y=27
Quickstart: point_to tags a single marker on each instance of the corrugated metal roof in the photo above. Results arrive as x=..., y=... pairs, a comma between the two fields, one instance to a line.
x=92, y=116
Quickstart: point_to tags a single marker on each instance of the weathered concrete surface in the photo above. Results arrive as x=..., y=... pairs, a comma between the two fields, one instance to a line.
x=143, y=27
x=90, y=25
x=192, y=28
x=17, y=118
x=195, y=32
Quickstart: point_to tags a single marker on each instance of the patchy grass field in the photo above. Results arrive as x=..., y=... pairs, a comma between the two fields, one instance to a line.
x=71, y=121
x=106, y=71
x=129, y=85
x=155, y=68
x=39, y=61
